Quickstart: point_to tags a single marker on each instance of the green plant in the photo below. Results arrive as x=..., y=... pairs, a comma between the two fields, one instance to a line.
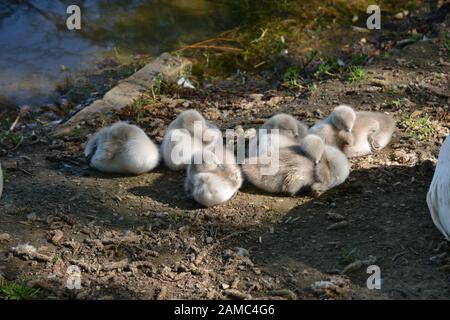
x=396, y=103
x=420, y=128
x=76, y=132
x=12, y=138
x=292, y=78
x=329, y=67
x=137, y=108
x=386, y=55
x=16, y=291
x=312, y=88
x=155, y=89
x=356, y=74
x=392, y=103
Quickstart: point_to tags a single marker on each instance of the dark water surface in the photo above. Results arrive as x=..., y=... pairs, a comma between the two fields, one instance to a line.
x=37, y=50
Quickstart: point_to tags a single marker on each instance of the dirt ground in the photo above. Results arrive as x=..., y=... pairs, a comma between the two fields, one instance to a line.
x=139, y=237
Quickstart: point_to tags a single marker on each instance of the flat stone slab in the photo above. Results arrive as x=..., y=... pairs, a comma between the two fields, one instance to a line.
x=166, y=66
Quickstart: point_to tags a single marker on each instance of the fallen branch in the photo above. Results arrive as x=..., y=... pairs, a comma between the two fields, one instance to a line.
x=220, y=48
x=24, y=110
x=358, y=264
x=28, y=251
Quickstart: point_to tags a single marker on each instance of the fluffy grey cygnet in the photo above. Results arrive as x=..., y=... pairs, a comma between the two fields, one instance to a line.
x=332, y=169
x=335, y=130
x=289, y=173
x=214, y=180
x=371, y=132
x=122, y=148
x=355, y=133
x=187, y=134
x=290, y=133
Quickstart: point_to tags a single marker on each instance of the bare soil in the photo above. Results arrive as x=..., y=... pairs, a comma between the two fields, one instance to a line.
x=139, y=237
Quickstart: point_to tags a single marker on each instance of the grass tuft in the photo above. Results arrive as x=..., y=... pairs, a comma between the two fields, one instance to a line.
x=355, y=74
x=420, y=128
x=17, y=291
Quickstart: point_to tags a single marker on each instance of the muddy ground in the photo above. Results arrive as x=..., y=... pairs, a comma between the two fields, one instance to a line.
x=141, y=238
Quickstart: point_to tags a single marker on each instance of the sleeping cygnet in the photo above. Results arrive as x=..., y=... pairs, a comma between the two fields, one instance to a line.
x=122, y=148
x=371, y=132
x=213, y=180
x=332, y=170
x=187, y=134
x=336, y=129
x=291, y=172
x=290, y=133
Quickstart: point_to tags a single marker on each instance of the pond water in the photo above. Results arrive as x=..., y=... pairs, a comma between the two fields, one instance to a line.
x=37, y=50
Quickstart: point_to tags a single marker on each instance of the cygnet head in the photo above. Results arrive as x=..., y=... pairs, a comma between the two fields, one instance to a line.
x=343, y=118
x=287, y=123
x=121, y=130
x=189, y=119
x=313, y=147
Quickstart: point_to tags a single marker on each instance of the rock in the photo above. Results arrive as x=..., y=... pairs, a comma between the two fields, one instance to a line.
x=236, y=294
x=401, y=15
x=166, y=66
x=256, y=96
x=57, y=237
x=335, y=284
x=241, y=252
x=286, y=293
x=5, y=237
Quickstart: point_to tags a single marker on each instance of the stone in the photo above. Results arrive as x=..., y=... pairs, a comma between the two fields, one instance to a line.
x=166, y=66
